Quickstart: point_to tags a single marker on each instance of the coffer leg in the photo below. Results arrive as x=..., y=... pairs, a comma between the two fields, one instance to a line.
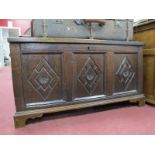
x=20, y=121
x=141, y=103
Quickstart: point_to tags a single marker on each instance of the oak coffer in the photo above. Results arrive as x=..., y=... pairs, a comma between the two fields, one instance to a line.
x=145, y=31
x=58, y=74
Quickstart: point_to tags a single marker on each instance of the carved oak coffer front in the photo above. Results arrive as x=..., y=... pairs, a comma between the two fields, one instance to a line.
x=51, y=75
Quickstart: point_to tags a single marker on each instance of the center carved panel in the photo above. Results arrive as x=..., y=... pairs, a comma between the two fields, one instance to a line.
x=89, y=75
x=125, y=73
x=43, y=78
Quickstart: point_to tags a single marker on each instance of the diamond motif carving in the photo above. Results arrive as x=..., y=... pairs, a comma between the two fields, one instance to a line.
x=125, y=73
x=43, y=78
x=89, y=75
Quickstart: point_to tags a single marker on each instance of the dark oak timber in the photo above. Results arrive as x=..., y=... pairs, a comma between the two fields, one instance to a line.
x=59, y=74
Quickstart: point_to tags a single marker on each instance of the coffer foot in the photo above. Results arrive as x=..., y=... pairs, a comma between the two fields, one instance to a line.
x=141, y=103
x=20, y=120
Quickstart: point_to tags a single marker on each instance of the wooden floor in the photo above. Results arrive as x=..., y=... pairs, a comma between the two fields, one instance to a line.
x=122, y=118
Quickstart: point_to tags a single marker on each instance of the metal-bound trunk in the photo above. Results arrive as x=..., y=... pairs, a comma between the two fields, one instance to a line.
x=67, y=28
x=113, y=30
x=109, y=29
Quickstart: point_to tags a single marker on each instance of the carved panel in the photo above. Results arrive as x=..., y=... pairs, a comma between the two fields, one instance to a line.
x=125, y=73
x=89, y=75
x=43, y=78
